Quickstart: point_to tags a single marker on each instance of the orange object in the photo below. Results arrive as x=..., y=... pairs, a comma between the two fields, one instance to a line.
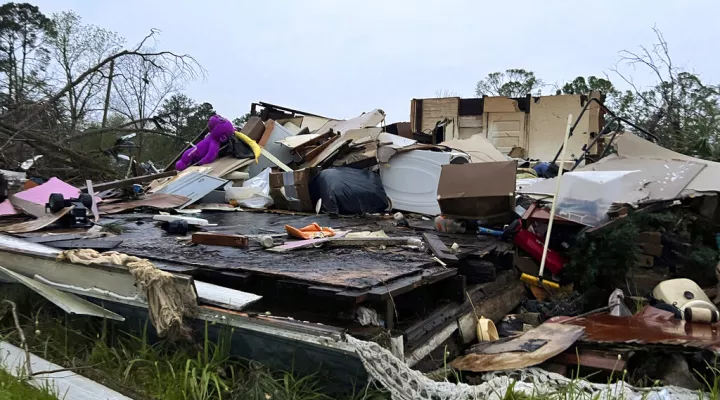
x=312, y=231
x=29, y=184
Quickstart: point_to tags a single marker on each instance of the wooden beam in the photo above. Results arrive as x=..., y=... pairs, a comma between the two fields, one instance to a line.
x=220, y=239
x=439, y=249
x=121, y=183
x=494, y=308
x=275, y=161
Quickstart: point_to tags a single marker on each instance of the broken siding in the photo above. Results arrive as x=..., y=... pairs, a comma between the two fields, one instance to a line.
x=434, y=110
x=500, y=104
x=548, y=122
x=470, y=125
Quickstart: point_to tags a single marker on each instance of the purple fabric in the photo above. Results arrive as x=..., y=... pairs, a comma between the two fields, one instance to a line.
x=206, y=151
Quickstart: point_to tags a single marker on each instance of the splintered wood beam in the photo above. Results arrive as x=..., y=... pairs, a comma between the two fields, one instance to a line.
x=439, y=249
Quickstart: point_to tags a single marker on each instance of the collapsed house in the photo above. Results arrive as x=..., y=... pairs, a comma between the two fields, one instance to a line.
x=532, y=125
x=411, y=235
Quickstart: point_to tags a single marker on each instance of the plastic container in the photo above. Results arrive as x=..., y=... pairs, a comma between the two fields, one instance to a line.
x=534, y=246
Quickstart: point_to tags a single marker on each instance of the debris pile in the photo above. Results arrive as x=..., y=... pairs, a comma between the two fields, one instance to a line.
x=436, y=249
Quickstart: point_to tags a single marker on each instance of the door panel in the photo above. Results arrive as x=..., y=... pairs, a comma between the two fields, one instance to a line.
x=506, y=130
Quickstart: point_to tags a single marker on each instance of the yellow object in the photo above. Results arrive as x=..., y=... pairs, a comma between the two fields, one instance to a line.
x=486, y=330
x=256, y=149
x=535, y=281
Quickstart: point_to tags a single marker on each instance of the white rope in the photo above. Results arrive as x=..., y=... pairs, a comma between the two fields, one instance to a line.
x=405, y=383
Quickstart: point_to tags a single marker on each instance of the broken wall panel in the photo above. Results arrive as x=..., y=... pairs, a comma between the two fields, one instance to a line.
x=548, y=122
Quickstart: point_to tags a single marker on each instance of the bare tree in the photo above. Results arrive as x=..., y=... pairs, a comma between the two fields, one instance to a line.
x=680, y=109
x=139, y=90
x=441, y=93
x=165, y=66
x=76, y=48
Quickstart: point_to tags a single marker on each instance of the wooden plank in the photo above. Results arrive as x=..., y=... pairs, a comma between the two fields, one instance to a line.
x=478, y=271
x=494, y=308
x=592, y=359
x=404, y=285
x=54, y=238
x=275, y=161
x=328, y=152
x=121, y=183
x=95, y=244
x=310, y=155
x=368, y=241
x=220, y=239
x=431, y=344
x=439, y=249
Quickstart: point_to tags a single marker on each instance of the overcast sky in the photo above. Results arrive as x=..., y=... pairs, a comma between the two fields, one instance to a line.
x=340, y=58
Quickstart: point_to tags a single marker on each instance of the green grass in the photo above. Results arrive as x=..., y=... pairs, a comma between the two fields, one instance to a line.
x=12, y=388
x=130, y=363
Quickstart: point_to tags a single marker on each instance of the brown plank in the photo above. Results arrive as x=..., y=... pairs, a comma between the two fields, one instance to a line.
x=220, y=239
x=592, y=359
x=438, y=248
x=319, y=149
x=502, y=356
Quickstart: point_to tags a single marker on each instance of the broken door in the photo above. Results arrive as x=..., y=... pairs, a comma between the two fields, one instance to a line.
x=506, y=130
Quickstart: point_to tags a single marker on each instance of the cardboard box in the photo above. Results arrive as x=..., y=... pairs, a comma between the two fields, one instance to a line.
x=481, y=191
x=291, y=190
x=253, y=128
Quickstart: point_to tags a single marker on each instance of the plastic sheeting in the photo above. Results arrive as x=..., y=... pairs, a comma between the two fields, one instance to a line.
x=349, y=191
x=254, y=193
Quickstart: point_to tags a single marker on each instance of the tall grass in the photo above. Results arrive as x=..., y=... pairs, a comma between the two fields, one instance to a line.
x=132, y=363
x=12, y=388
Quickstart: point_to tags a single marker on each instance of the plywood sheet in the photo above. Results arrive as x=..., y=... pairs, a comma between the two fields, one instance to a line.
x=36, y=224
x=532, y=348
x=160, y=201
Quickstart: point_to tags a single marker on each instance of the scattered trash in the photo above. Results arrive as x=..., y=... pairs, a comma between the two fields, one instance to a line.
x=367, y=316
x=312, y=231
x=438, y=235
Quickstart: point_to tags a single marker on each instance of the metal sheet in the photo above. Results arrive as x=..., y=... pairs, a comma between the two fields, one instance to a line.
x=650, y=326
x=70, y=303
x=654, y=179
x=629, y=145
x=512, y=354
x=224, y=297
x=67, y=384
x=193, y=186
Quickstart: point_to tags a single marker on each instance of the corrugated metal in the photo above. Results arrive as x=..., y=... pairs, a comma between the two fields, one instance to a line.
x=193, y=186
x=650, y=326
